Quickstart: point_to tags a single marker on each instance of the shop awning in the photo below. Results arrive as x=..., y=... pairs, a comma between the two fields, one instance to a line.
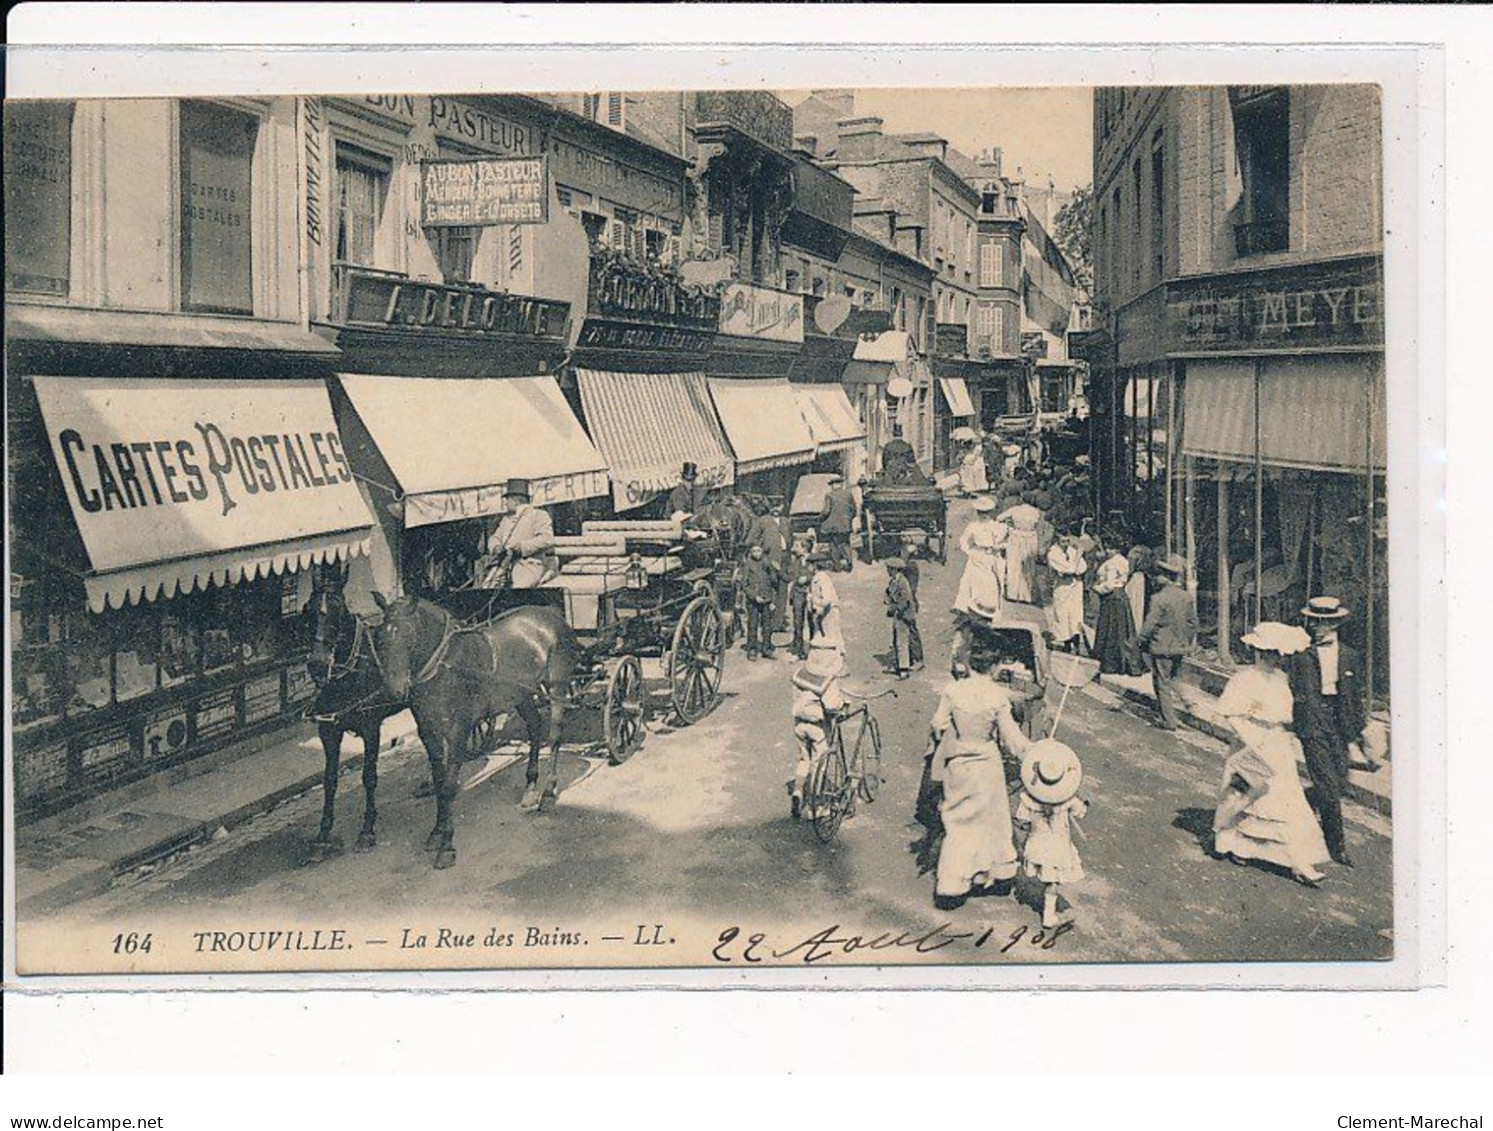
x=831, y=417
x=648, y=425
x=177, y=484
x=454, y=443
x=878, y=359
x=147, y=329
x=763, y=423
x=1313, y=413
x=956, y=393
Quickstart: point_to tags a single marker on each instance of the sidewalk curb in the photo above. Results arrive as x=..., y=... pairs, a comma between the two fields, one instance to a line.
x=1354, y=790
x=97, y=880
x=87, y=882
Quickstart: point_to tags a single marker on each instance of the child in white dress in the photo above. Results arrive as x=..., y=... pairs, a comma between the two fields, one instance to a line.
x=1049, y=804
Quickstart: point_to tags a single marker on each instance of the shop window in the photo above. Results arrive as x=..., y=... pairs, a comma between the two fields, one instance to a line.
x=362, y=193
x=38, y=196
x=1262, y=144
x=217, y=234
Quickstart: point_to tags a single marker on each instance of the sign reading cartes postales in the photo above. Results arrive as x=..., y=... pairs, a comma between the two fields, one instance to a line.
x=484, y=191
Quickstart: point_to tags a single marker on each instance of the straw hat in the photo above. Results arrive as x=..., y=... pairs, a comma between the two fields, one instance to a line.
x=984, y=504
x=1325, y=608
x=1051, y=772
x=1272, y=636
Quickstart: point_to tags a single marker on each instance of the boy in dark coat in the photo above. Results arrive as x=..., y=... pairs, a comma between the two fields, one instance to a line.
x=902, y=607
x=801, y=574
x=759, y=583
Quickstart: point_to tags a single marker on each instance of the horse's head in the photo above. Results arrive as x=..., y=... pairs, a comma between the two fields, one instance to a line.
x=400, y=643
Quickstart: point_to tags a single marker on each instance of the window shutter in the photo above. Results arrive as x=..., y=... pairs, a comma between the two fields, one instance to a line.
x=616, y=111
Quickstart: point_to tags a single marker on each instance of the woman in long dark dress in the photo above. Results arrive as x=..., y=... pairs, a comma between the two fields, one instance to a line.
x=1115, y=643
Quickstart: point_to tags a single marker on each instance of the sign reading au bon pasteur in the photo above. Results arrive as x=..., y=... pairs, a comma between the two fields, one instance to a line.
x=482, y=191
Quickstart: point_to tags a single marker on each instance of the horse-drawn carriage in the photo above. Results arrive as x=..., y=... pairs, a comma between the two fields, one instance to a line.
x=896, y=513
x=627, y=591
x=631, y=590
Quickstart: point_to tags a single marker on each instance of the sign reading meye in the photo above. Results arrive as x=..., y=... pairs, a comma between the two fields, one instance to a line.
x=481, y=191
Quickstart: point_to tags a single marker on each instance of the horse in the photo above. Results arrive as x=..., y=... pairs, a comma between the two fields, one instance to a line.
x=453, y=678
x=350, y=699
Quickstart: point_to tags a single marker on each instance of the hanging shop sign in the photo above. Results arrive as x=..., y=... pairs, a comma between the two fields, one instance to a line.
x=394, y=303
x=1033, y=344
x=1323, y=305
x=483, y=191
x=756, y=312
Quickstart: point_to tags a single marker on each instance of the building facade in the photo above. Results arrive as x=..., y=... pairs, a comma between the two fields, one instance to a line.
x=179, y=486
x=1239, y=392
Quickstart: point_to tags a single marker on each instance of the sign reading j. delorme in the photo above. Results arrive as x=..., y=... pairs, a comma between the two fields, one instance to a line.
x=483, y=191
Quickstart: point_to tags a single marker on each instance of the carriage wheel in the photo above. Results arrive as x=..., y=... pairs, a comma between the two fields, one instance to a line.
x=624, y=713
x=696, y=660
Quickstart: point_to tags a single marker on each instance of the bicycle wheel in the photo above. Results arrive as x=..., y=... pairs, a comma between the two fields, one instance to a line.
x=829, y=789
x=867, y=757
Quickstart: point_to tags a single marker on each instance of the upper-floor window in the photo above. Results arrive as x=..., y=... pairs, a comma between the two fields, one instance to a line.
x=217, y=183
x=1135, y=195
x=1262, y=142
x=1158, y=206
x=38, y=196
x=362, y=192
x=992, y=264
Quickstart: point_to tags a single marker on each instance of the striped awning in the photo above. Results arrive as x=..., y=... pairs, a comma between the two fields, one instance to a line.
x=956, y=393
x=763, y=423
x=176, y=485
x=648, y=425
x=831, y=417
x=1314, y=413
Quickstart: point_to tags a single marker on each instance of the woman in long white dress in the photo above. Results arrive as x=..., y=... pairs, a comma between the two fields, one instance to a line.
x=1068, y=565
x=982, y=585
x=972, y=477
x=1263, y=812
x=972, y=728
x=1021, y=551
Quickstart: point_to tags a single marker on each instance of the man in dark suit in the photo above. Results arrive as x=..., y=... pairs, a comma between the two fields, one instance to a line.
x=1169, y=633
x=1328, y=715
x=836, y=520
x=688, y=498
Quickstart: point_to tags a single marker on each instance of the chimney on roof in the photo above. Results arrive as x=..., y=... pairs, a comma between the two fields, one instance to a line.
x=840, y=102
x=990, y=162
x=860, y=139
x=927, y=145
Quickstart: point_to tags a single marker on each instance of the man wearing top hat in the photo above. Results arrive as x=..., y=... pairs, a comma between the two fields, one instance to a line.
x=518, y=553
x=1169, y=633
x=1327, y=715
x=688, y=498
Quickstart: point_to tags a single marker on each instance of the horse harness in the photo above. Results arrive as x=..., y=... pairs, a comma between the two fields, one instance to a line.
x=450, y=630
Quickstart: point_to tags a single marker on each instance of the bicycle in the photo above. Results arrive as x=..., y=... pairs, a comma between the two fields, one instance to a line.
x=837, y=779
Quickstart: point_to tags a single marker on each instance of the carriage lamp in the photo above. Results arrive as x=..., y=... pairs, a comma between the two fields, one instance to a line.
x=637, y=573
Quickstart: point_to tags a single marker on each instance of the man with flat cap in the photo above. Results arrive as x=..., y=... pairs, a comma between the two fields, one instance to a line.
x=689, y=497
x=519, y=551
x=1170, y=633
x=1328, y=715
